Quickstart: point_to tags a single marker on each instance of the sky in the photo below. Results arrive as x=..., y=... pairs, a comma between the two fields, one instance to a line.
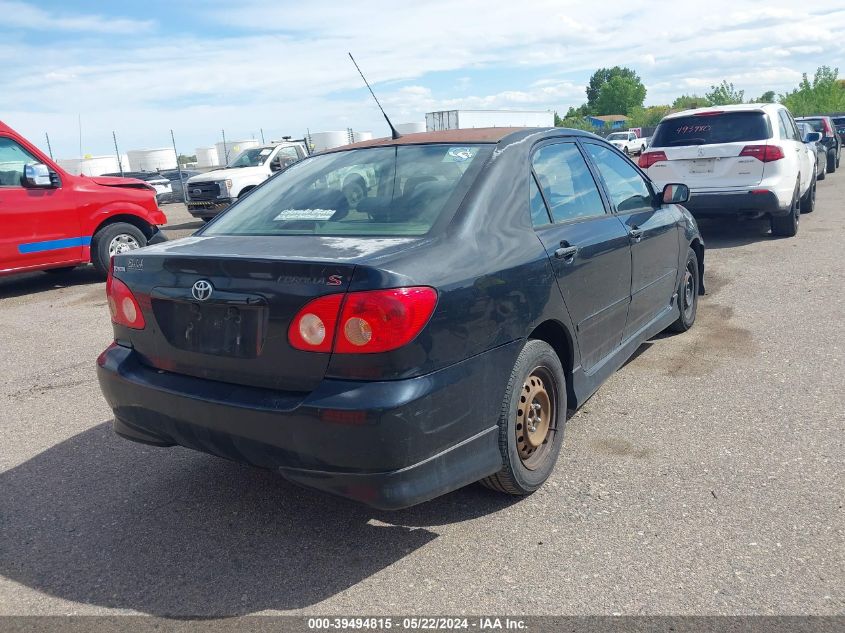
x=141, y=69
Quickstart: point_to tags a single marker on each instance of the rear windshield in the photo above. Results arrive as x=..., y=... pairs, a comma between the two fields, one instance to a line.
x=728, y=127
x=383, y=191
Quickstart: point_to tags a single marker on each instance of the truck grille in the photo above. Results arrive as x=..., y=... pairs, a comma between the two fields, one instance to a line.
x=202, y=190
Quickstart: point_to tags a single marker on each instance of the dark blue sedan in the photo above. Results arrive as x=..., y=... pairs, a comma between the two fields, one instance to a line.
x=396, y=319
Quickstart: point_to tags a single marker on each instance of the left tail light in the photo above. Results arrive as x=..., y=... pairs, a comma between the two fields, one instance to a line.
x=365, y=322
x=123, y=305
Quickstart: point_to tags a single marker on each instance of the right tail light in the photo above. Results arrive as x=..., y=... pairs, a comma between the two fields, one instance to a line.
x=647, y=159
x=365, y=322
x=763, y=153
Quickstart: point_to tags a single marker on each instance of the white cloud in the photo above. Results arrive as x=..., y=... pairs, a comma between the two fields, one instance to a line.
x=25, y=16
x=287, y=69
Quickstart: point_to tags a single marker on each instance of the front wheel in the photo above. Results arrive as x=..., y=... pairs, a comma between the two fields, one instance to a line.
x=531, y=421
x=114, y=239
x=687, y=294
x=832, y=163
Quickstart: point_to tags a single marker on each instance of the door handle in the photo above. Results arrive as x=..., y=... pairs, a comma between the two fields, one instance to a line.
x=566, y=252
x=636, y=234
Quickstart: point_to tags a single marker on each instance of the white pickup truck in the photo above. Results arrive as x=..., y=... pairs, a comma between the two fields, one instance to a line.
x=628, y=142
x=209, y=193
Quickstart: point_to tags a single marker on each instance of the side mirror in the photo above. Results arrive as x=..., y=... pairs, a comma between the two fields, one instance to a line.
x=37, y=175
x=675, y=193
x=813, y=137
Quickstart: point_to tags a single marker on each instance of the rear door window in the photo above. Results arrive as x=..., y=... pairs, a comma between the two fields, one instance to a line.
x=727, y=127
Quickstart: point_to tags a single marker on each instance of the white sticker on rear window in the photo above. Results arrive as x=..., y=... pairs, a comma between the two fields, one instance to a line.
x=459, y=154
x=304, y=214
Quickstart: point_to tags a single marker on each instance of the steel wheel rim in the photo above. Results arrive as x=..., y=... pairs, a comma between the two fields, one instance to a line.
x=122, y=243
x=536, y=417
x=689, y=291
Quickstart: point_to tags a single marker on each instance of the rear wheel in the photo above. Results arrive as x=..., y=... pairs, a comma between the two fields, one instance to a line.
x=832, y=163
x=808, y=202
x=823, y=175
x=787, y=225
x=114, y=239
x=531, y=421
x=687, y=294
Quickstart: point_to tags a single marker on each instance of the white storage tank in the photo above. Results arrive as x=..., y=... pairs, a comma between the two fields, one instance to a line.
x=463, y=119
x=361, y=136
x=152, y=159
x=207, y=157
x=228, y=152
x=93, y=165
x=327, y=140
x=410, y=128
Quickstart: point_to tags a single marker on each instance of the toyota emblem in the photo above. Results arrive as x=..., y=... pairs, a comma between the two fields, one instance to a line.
x=196, y=192
x=201, y=290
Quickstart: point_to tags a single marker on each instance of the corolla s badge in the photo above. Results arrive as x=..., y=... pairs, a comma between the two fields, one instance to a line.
x=201, y=290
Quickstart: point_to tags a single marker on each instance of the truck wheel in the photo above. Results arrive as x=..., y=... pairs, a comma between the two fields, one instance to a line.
x=625, y=149
x=531, y=421
x=114, y=239
x=831, y=162
x=808, y=202
x=687, y=295
x=823, y=175
x=787, y=225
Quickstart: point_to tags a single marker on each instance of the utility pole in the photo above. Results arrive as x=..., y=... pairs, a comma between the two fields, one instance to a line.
x=179, y=167
x=49, y=149
x=225, y=149
x=261, y=129
x=117, y=152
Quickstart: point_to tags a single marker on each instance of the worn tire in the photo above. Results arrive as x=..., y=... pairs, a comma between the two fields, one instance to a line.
x=831, y=162
x=787, y=225
x=100, y=255
x=687, y=303
x=808, y=202
x=519, y=477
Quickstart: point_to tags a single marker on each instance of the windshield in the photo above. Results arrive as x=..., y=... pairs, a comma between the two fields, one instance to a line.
x=383, y=191
x=727, y=127
x=618, y=136
x=253, y=157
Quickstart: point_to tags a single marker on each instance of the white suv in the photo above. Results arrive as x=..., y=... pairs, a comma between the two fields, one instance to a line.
x=744, y=159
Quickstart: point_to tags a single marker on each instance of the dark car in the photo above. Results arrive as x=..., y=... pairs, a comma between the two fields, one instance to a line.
x=839, y=124
x=177, y=184
x=830, y=138
x=431, y=333
x=813, y=139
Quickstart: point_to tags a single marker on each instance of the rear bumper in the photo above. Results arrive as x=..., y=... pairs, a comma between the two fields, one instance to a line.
x=388, y=444
x=203, y=209
x=745, y=202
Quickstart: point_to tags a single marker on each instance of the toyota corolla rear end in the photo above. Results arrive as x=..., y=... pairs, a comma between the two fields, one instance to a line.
x=281, y=337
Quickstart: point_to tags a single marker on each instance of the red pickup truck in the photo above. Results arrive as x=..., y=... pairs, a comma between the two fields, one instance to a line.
x=52, y=220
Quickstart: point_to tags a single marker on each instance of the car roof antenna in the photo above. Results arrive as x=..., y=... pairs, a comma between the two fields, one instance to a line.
x=393, y=133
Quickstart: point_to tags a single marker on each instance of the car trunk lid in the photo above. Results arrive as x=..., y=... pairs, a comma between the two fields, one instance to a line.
x=233, y=326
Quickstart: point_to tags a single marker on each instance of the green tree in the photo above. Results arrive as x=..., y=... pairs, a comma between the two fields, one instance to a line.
x=688, y=102
x=824, y=94
x=602, y=77
x=766, y=97
x=646, y=117
x=576, y=123
x=620, y=95
x=724, y=94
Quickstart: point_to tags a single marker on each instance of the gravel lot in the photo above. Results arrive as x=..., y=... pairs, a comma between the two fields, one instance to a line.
x=705, y=477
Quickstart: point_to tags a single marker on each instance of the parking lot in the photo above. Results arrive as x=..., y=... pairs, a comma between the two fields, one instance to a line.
x=705, y=477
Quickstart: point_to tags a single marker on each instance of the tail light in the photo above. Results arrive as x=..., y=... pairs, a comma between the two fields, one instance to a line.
x=763, y=153
x=827, y=130
x=123, y=306
x=363, y=322
x=647, y=159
